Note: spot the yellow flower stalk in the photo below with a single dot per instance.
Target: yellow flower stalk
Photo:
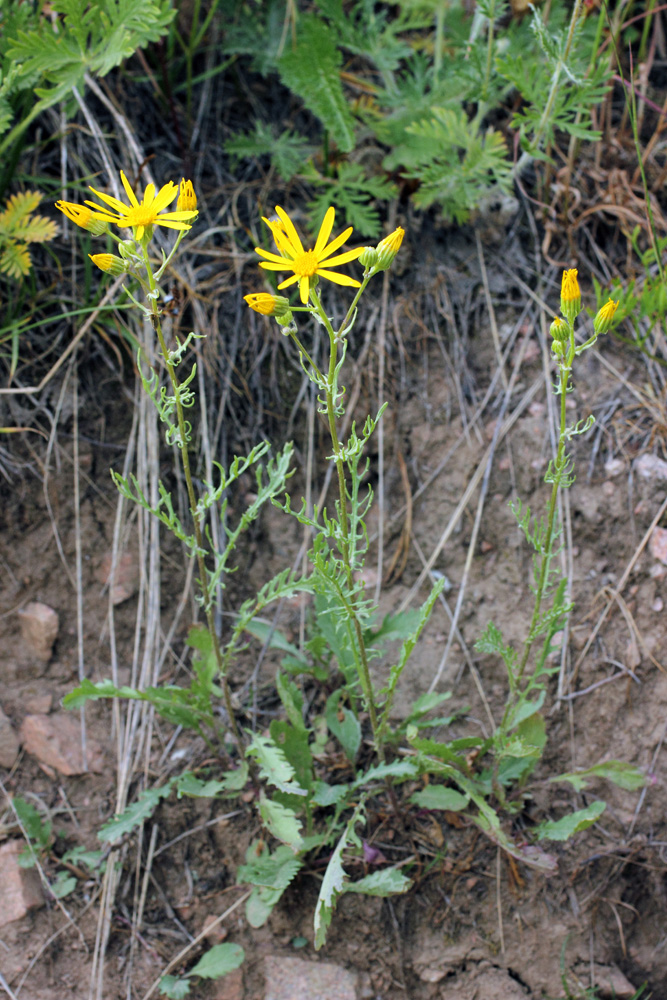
(187, 199)
(83, 217)
(570, 295)
(267, 304)
(306, 264)
(605, 315)
(141, 215)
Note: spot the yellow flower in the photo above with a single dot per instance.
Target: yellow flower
(140, 216)
(187, 199)
(83, 217)
(307, 263)
(388, 248)
(570, 295)
(603, 320)
(109, 262)
(267, 304)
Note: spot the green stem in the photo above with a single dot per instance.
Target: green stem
(545, 117)
(196, 517)
(362, 662)
(551, 520)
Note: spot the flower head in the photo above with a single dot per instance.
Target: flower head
(570, 295)
(141, 215)
(109, 262)
(306, 264)
(267, 304)
(605, 315)
(187, 199)
(559, 329)
(388, 248)
(83, 217)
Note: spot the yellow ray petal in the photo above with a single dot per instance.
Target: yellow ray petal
(287, 281)
(343, 258)
(272, 266)
(118, 206)
(165, 196)
(273, 256)
(292, 234)
(339, 279)
(128, 190)
(325, 231)
(333, 246)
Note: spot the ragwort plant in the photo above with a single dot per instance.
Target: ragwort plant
(305, 810)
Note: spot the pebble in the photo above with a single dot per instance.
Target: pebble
(297, 979)
(126, 576)
(9, 744)
(658, 544)
(21, 888)
(39, 629)
(614, 467)
(651, 467)
(55, 740)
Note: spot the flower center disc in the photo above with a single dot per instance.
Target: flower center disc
(141, 216)
(305, 264)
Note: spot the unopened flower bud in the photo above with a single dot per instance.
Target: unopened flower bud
(267, 304)
(570, 295)
(109, 262)
(127, 249)
(83, 217)
(559, 329)
(388, 248)
(603, 320)
(187, 199)
(284, 319)
(369, 257)
(558, 348)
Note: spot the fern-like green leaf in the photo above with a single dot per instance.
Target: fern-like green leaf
(14, 259)
(353, 194)
(311, 69)
(463, 165)
(288, 150)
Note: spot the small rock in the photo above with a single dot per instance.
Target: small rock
(651, 467)
(39, 628)
(9, 744)
(295, 979)
(658, 544)
(56, 742)
(537, 409)
(36, 702)
(614, 467)
(432, 975)
(21, 888)
(213, 929)
(611, 982)
(125, 578)
(230, 987)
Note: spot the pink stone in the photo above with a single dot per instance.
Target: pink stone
(55, 740)
(21, 888)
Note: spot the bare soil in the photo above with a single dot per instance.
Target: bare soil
(476, 925)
